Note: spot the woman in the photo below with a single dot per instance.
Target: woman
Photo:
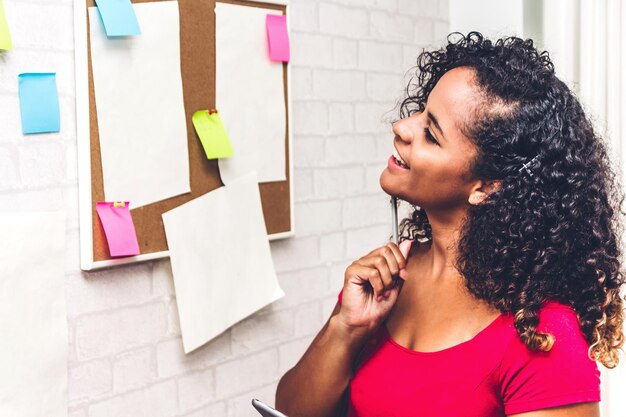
(509, 293)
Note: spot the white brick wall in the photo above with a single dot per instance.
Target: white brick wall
(126, 358)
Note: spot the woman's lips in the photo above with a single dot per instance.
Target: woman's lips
(393, 163)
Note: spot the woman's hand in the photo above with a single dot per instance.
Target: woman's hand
(371, 286)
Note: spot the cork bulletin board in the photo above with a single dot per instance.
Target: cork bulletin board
(197, 51)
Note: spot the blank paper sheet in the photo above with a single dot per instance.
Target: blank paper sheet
(141, 114)
(33, 317)
(221, 260)
(249, 94)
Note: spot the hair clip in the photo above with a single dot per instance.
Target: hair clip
(527, 164)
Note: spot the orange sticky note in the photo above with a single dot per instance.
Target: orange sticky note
(277, 37)
(118, 228)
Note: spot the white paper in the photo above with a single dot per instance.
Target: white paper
(249, 94)
(33, 317)
(221, 260)
(141, 114)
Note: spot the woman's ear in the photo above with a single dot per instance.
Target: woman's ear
(482, 191)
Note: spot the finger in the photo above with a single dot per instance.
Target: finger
(368, 274)
(405, 248)
(376, 282)
(394, 292)
(392, 261)
(402, 274)
(379, 262)
(401, 251)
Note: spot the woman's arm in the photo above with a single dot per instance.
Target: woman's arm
(315, 386)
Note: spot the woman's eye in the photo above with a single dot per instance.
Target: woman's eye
(429, 136)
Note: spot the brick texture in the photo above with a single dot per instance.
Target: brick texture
(349, 59)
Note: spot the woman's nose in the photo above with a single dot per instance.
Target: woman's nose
(402, 130)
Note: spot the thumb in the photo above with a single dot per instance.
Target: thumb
(405, 247)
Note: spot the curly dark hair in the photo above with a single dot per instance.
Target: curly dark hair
(553, 233)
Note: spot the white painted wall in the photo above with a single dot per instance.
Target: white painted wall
(493, 18)
(348, 61)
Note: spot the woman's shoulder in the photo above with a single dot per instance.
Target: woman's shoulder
(556, 318)
(552, 315)
(570, 344)
(559, 319)
(528, 377)
(555, 305)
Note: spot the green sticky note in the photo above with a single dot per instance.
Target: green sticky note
(5, 36)
(212, 134)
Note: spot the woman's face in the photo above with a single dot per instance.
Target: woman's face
(435, 153)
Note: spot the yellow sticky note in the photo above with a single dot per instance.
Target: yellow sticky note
(5, 36)
(212, 134)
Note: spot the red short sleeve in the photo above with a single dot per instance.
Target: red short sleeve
(533, 380)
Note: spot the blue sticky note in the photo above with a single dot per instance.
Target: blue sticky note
(39, 103)
(118, 17)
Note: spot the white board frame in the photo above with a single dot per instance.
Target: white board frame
(83, 144)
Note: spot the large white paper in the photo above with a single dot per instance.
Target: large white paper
(141, 114)
(249, 94)
(33, 317)
(221, 260)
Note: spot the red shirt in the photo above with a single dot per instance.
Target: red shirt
(493, 374)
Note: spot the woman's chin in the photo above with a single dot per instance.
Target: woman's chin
(393, 190)
(388, 186)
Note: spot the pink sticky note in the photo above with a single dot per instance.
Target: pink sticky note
(277, 37)
(118, 228)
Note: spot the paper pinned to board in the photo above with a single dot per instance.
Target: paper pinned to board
(119, 228)
(141, 113)
(5, 34)
(221, 260)
(39, 102)
(212, 134)
(277, 37)
(118, 18)
(33, 316)
(252, 107)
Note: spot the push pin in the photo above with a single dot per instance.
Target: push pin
(119, 204)
(212, 111)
